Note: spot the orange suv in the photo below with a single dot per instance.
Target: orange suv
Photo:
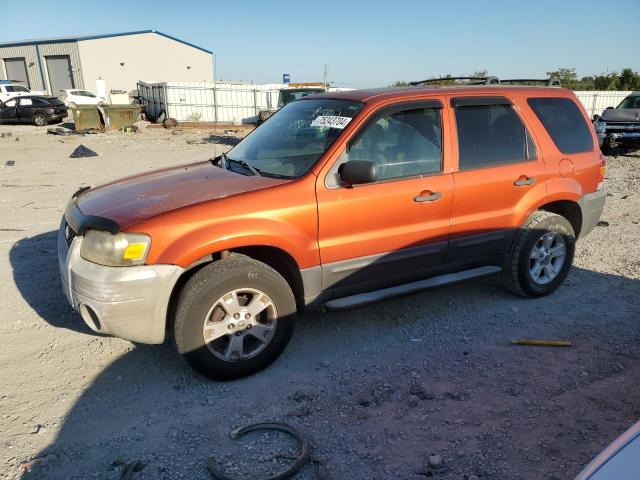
(339, 199)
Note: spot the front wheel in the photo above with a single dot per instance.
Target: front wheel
(542, 255)
(234, 317)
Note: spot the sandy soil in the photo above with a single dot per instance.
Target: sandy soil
(378, 389)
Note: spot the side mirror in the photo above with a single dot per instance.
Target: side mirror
(355, 172)
(595, 117)
(609, 108)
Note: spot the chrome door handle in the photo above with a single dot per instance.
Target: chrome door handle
(524, 181)
(427, 198)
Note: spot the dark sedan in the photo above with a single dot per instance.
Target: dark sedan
(35, 109)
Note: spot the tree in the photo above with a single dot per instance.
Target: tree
(606, 81)
(399, 83)
(567, 76)
(628, 80)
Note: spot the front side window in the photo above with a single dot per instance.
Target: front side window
(491, 135)
(402, 144)
(17, 89)
(295, 137)
(10, 103)
(565, 123)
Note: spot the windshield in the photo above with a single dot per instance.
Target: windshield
(632, 101)
(295, 137)
(288, 96)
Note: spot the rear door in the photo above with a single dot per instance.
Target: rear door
(498, 174)
(26, 109)
(385, 232)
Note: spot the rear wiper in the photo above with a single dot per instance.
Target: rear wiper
(249, 167)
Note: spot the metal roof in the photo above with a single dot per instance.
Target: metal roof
(79, 38)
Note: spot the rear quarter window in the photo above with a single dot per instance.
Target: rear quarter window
(564, 122)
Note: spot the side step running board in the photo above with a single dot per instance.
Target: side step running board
(385, 293)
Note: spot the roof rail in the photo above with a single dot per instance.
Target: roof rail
(549, 82)
(475, 80)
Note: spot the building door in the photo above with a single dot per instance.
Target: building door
(17, 70)
(60, 74)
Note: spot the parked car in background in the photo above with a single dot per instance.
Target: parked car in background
(340, 199)
(74, 97)
(288, 94)
(619, 461)
(10, 90)
(39, 110)
(620, 125)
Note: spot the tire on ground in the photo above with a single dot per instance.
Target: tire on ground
(39, 120)
(200, 293)
(516, 274)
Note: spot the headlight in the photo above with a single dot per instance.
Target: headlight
(601, 127)
(119, 250)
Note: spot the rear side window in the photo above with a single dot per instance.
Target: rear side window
(56, 101)
(491, 135)
(564, 122)
(40, 102)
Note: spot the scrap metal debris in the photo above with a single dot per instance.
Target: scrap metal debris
(82, 151)
(303, 458)
(129, 468)
(5, 134)
(64, 132)
(602, 223)
(541, 343)
(10, 163)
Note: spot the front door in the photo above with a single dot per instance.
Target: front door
(9, 111)
(498, 167)
(391, 230)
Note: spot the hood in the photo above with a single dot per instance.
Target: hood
(621, 115)
(134, 199)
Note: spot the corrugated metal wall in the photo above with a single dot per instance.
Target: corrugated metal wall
(30, 54)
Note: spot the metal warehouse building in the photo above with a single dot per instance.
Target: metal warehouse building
(116, 61)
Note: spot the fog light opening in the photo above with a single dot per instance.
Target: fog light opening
(90, 317)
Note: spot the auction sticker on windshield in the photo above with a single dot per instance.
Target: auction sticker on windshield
(331, 121)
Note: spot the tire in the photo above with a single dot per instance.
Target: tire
(263, 115)
(545, 232)
(200, 304)
(39, 120)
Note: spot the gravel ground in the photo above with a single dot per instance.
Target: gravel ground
(379, 390)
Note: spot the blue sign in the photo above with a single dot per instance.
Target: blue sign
(286, 78)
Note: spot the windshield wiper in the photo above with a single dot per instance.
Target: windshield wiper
(249, 167)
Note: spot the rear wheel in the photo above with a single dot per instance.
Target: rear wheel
(542, 255)
(234, 317)
(39, 120)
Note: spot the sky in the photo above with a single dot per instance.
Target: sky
(363, 43)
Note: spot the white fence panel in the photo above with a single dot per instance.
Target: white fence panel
(595, 102)
(209, 102)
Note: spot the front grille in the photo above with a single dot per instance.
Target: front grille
(69, 234)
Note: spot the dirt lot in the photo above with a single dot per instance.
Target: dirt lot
(378, 389)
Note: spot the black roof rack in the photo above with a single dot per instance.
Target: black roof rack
(549, 82)
(475, 80)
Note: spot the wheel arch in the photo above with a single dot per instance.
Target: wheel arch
(568, 209)
(276, 258)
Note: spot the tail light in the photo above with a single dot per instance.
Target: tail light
(603, 170)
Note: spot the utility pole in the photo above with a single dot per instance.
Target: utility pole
(325, 75)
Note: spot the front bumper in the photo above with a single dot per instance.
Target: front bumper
(591, 206)
(126, 302)
(617, 137)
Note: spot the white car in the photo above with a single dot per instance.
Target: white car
(75, 97)
(10, 90)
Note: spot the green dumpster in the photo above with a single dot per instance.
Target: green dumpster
(87, 117)
(121, 116)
